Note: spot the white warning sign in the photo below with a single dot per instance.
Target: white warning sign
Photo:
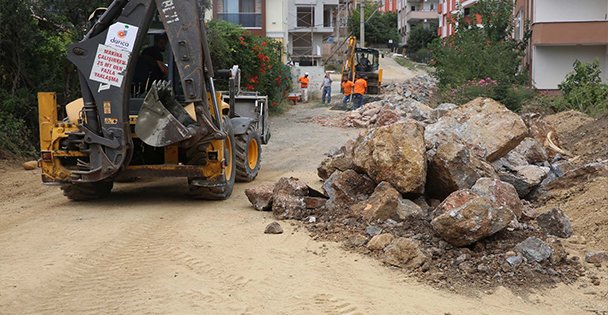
(109, 66)
(122, 36)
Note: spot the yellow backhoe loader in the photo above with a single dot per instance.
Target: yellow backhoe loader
(129, 123)
(364, 62)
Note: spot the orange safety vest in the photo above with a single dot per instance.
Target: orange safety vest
(360, 86)
(303, 82)
(347, 87)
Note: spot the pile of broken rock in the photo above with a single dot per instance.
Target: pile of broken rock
(445, 200)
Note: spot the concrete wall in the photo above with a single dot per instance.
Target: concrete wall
(551, 64)
(570, 10)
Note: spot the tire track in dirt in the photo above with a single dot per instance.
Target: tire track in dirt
(109, 279)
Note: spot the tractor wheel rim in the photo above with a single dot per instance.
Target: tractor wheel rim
(252, 154)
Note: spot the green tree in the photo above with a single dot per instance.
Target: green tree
(259, 58)
(379, 27)
(419, 40)
(475, 55)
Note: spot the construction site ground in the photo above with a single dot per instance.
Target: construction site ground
(149, 248)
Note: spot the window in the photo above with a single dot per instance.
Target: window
(305, 17)
(247, 13)
(329, 15)
(413, 8)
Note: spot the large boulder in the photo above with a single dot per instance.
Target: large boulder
(500, 193)
(469, 215)
(405, 253)
(347, 188)
(341, 160)
(453, 167)
(386, 203)
(395, 154)
(484, 123)
(288, 199)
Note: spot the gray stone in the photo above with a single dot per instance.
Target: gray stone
(534, 249)
(525, 178)
(273, 228)
(373, 230)
(555, 222)
(515, 261)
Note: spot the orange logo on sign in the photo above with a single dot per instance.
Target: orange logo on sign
(122, 34)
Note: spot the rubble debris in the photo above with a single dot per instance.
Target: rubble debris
(405, 253)
(260, 197)
(380, 241)
(441, 110)
(482, 123)
(534, 249)
(596, 257)
(394, 154)
(30, 165)
(273, 228)
(555, 222)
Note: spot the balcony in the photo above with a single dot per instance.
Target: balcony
(246, 20)
(422, 15)
(570, 33)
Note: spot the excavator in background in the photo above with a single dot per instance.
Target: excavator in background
(175, 127)
(364, 62)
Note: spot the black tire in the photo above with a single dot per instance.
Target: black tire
(248, 155)
(88, 191)
(266, 136)
(196, 157)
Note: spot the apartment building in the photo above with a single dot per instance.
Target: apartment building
(260, 17)
(310, 24)
(562, 32)
(388, 6)
(412, 13)
(448, 10)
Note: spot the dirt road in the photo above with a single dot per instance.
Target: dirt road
(149, 249)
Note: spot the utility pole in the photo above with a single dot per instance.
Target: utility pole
(362, 22)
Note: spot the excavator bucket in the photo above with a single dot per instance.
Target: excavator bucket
(156, 125)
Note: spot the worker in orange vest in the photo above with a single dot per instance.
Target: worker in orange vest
(360, 90)
(347, 90)
(304, 81)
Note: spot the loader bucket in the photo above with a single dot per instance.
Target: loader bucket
(156, 125)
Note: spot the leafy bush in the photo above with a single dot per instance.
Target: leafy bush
(259, 58)
(583, 89)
